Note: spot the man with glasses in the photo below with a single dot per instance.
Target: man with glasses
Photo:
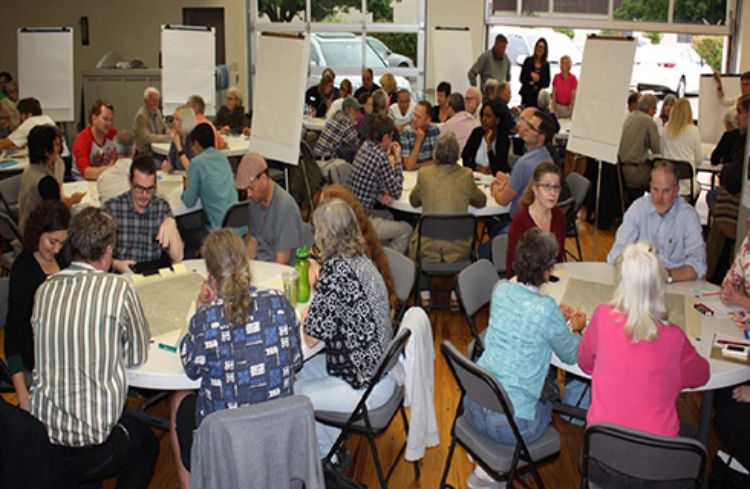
(145, 226)
(418, 140)
(472, 101)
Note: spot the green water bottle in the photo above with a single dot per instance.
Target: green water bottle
(301, 265)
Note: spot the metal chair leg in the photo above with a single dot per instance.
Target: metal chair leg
(448, 462)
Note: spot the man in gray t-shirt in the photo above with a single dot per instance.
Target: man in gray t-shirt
(274, 222)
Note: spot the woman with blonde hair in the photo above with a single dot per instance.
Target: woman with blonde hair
(638, 361)
(249, 326)
(388, 84)
(538, 210)
(181, 149)
(666, 108)
(681, 140)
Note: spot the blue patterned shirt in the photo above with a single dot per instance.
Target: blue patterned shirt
(409, 141)
(244, 364)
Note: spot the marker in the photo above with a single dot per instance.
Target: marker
(168, 348)
(733, 343)
(744, 331)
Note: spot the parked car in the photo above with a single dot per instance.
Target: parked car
(344, 50)
(668, 68)
(393, 59)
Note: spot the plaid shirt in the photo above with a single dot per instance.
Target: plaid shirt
(136, 233)
(409, 140)
(339, 132)
(373, 174)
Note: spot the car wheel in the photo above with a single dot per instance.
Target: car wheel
(403, 64)
(681, 87)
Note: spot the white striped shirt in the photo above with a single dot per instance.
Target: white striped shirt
(89, 327)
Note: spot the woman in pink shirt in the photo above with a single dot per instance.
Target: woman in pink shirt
(564, 87)
(638, 361)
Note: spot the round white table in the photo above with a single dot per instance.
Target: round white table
(169, 188)
(483, 181)
(163, 369)
(723, 373)
(237, 145)
(9, 164)
(313, 123)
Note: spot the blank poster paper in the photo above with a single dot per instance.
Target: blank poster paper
(279, 97)
(188, 66)
(45, 70)
(600, 107)
(711, 110)
(452, 56)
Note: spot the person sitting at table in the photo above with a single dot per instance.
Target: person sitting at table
(180, 147)
(319, 97)
(209, 178)
(379, 106)
(491, 90)
(350, 312)
(534, 74)
(460, 123)
(524, 329)
(149, 124)
(89, 328)
(373, 247)
(444, 188)
(638, 141)
(368, 83)
(114, 180)
(30, 113)
(231, 117)
(486, 150)
(633, 99)
(723, 150)
(638, 361)
(339, 141)
(377, 176)
(666, 109)
(198, 105)
(243, 343)
(537, 132)
(345, 91)
(473, 101)
(93, 148)
(44, 237)
(543, 103)
(669, 222)
(43, 178)
(418, 139)
(390, 87)
(274, 222)
(564, 86)
(681, 140)
(538, 210)
(402, 111)
(145, 226)
(440, 109)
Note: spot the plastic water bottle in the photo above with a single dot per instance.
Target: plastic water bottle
(302, 265)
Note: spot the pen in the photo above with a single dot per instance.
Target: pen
(168, 348)
(744, 330)
(733, 343)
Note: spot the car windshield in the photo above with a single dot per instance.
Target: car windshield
(559, 45)
(378, 46)
(349, 53)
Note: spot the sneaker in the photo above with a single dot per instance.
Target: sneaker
(425, 299)
(455, 307)
(480, 480)
(342, 460)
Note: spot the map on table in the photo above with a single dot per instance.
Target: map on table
(167, 300)
(587, 295)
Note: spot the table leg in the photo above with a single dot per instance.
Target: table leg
(704, 424)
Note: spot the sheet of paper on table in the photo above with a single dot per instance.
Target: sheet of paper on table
(166, 299)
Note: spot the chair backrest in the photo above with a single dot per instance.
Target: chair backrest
(568, 208)
(476, 382)
(308, 234)
(499, 252)
(474, 285)
(9, 230)
(579, 187)
(10, 188)
(340, 174)
(403, 271)
(684, 171)
(613, 455)
(390, 358)
(447, 227)
(237, 216)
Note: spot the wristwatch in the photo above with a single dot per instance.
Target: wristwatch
(670, 279)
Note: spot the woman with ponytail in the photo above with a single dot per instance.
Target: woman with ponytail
(235, 328)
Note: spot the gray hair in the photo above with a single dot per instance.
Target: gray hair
(456, 102)
(491, 88)
(148, 91)
(125, 143)
(236, 92)
(337, 231)
(187, 117)
(536, 254)
(647, 102)
(379, 101)
(543, 100)
(446, 149)
(91, 231)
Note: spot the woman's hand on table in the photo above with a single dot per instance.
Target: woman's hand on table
(734, 296)
(741, 320)
(741, 393)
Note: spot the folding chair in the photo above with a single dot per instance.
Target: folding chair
(11, 234)
(340, 174)
(6, 384)
(372, 422)
(444, 227)
(579, 188)
(500, 461)
(237, 216)
(404, 273)
(9, 190)
(499, 253)
(615, 456)
(474, 286)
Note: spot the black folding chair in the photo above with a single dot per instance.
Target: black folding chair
(237, 216)
(404, 273)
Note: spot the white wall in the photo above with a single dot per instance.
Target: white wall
(744, 38)
(130, 28)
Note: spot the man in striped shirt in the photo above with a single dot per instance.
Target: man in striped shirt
(89, 328)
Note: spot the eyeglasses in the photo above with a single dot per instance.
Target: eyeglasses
(144, 190)
(548, 187)
(531, 126)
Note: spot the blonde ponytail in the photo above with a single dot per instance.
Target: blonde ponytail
(226, 262)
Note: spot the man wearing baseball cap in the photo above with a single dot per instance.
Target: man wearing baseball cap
(274, 222)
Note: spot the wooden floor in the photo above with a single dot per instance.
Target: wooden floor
(561, 472)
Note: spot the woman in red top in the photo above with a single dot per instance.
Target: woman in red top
(564, 87)
(538, 210)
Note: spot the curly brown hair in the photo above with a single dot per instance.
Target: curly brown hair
(48, 217)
